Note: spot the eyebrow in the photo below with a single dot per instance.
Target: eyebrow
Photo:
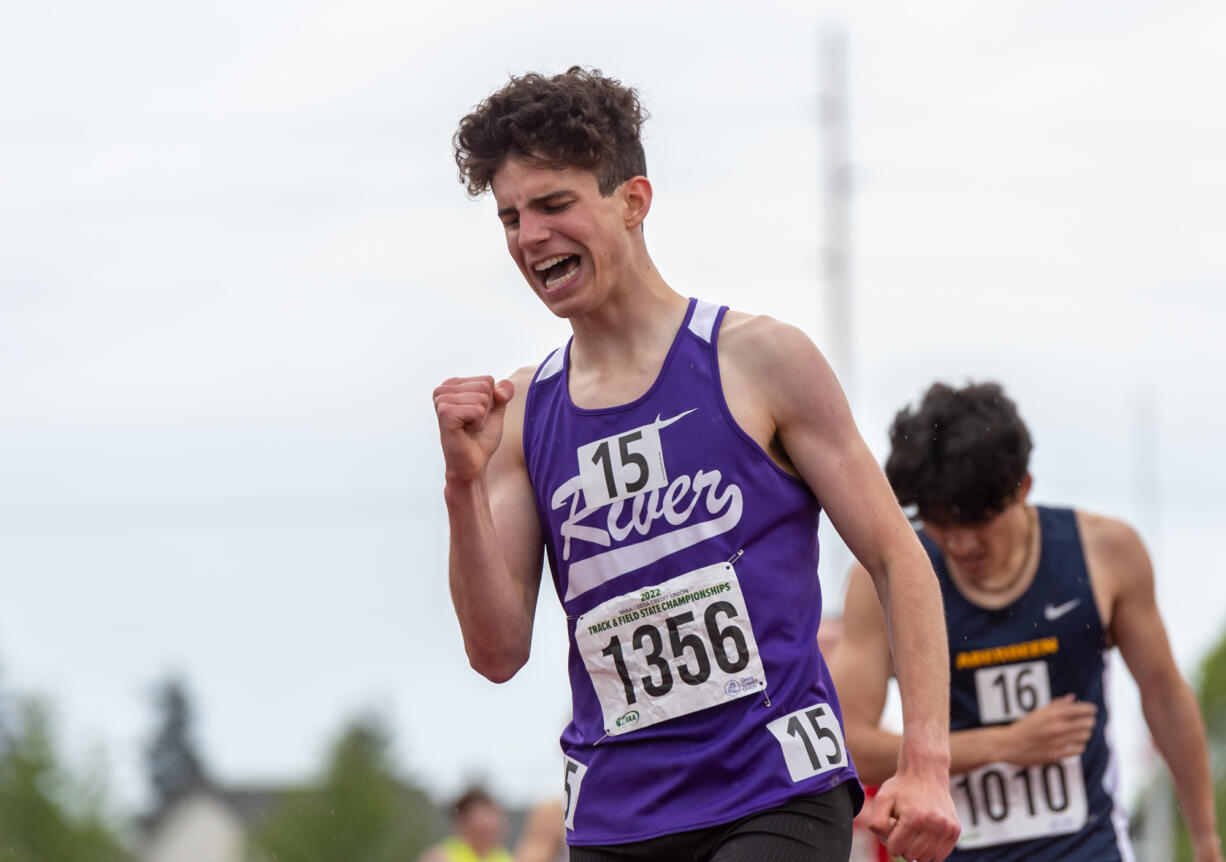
(537, 200)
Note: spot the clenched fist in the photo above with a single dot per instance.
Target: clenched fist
(470, 412)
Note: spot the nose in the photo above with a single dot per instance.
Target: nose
(532, 230)
(960, 542)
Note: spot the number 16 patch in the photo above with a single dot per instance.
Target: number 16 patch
(812, 741)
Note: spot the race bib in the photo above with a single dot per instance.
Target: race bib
(1007, 692)
(670, 650)
(1004, 802)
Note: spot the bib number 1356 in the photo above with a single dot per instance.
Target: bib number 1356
(671, 649)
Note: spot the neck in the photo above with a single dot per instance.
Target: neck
(638, 318)
(618, 353)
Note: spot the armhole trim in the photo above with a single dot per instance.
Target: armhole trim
(702, 321)
(552, 365)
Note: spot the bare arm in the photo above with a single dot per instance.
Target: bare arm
(861, 668)
(1119, 562)
(815, 427)
(496, 544)
(544, 834)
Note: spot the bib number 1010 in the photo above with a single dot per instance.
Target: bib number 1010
(1003, 802)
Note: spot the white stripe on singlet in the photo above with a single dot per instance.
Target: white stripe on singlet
(552, 365)
(702, 322)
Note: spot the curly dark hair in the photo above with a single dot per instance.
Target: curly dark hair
(961, 455)
(577, 119)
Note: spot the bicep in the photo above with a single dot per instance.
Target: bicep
(519, 530)
(513, 505)
(820, 436)
(1136, 625)
(1141, 637)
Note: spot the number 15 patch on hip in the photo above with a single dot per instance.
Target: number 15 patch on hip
(811, 739)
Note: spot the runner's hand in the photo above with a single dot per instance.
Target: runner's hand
(470, 412)
(1050, 733)
(913, 816)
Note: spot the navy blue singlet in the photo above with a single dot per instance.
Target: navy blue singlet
(1008, 661)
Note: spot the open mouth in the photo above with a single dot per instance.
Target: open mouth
(557, 270)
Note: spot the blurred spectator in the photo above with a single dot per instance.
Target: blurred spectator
(478, 831)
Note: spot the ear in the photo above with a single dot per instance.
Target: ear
(1023, 488)
(636, 197)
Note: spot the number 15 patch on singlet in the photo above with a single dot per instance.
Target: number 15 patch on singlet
(666, 651)
(812, 741)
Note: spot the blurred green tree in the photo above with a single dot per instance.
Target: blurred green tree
(172, 758)
(1211, 692)
(359, 811)
(46, 811)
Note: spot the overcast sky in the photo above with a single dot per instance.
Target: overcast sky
(235, 260)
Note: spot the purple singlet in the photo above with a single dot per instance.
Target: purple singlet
(686, 562)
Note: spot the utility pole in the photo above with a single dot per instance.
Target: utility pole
(836, 204)
(836, 262)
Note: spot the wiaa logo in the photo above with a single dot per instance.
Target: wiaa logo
(628, 718)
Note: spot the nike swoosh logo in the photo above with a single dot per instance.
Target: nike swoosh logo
(1054, 612)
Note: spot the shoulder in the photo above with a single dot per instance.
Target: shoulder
(1121, 572)
(1115, 556)
(522, 379)
(1109, 540)
(513, 424)
(759, 337)
(779, 358)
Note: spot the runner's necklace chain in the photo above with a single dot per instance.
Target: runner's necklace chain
(1032, 521)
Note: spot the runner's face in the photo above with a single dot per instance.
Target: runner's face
(563, 235)
(987, 549)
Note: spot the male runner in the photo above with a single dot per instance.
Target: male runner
(669, 461)
(1035, 600)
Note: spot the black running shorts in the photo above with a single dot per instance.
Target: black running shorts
(804, 829)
